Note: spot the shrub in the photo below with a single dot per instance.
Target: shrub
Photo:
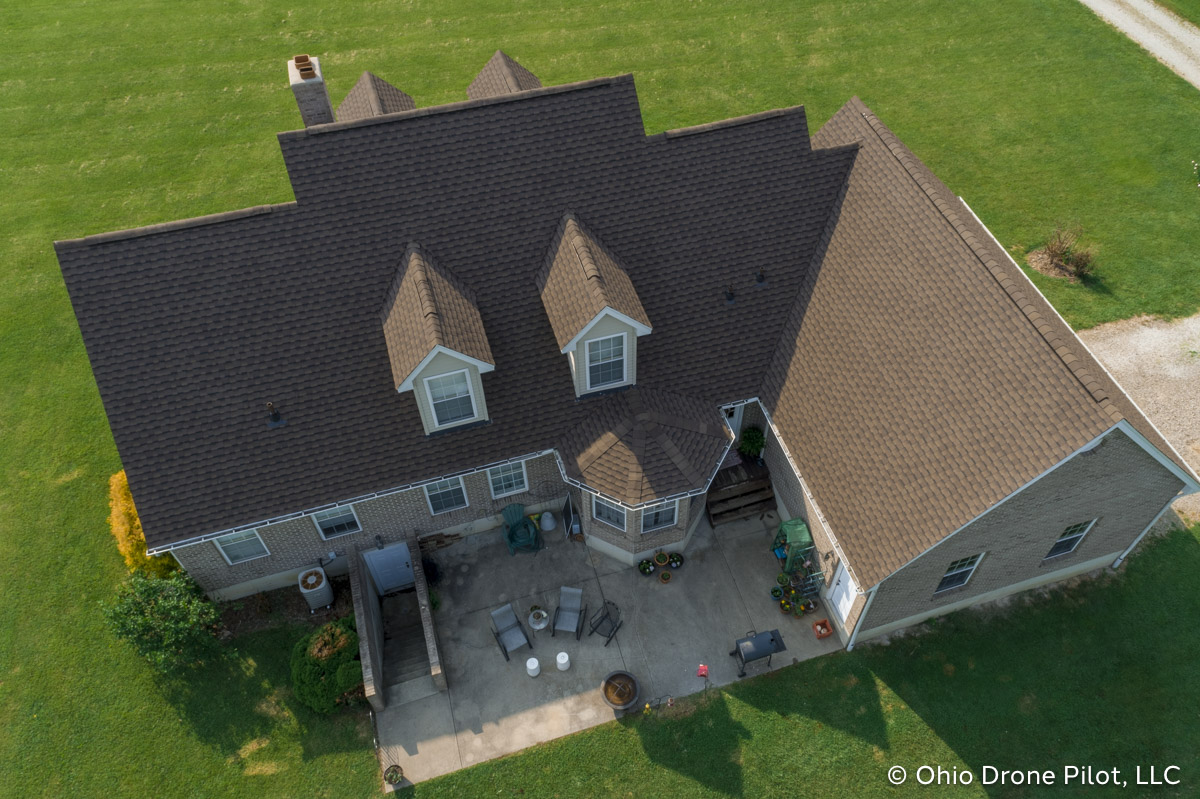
(753, 442)
(167, 620)
(127, 529)
(325, 666)
(1063, 250)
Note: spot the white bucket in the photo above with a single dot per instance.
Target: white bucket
(564, 661)
(533, 667)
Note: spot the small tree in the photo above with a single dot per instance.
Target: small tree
(167, 620)
(325, 666)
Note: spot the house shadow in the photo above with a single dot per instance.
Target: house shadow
(706, 748)
(244, 695)
(835, 691)
(1100, 672)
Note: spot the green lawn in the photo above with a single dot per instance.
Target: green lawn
(1188, 9)
(123, 113)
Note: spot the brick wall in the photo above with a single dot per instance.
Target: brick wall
(632, 539)
(296, 544)
(1119, 484)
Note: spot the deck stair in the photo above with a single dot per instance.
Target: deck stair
(741, 491)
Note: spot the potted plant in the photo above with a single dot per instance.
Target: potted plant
(646, 567)
(676, 560)
(661, 559)
(537, 615)
(785, 607)
(776, 592)
(782, 578)
(393, 775)
(664, 576)
(752, 444)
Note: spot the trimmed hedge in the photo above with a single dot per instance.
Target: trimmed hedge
(325, 666)
(127, 529)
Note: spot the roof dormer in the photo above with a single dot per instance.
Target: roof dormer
(593, 308)
(436, 343)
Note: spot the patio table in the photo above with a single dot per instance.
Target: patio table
(756, 646)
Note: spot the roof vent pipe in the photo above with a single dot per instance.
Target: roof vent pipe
(304, 75)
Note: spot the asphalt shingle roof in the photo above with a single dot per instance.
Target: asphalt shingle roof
(373, 96)
(501, 75)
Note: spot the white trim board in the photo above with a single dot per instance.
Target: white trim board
(437, 425)
(587, 362)
(409, 381)
(607, 312)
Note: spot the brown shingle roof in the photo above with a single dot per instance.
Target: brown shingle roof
(191, 326)
(427, 307)
(501, 75)
(373, 96)
(919, 379)
(580, 279)
(641, 444)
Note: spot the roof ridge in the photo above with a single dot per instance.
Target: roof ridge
(169, 227)
(581, 245)
(928, 183)
(425, 295)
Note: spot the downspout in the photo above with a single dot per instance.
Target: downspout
(1138, 540)
(858, 624)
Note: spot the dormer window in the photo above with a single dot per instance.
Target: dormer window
(450, 397)
(606, 362)
(436, 343)
(593, 308)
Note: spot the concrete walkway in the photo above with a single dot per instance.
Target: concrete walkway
(493, 708)
(1169, 38)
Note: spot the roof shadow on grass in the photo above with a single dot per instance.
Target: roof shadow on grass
(706, 748)
(245, 697)
(1100, 673)
(836, 691)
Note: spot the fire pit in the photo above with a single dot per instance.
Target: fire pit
(620, 690)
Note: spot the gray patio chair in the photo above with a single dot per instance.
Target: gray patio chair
(606, 622)
(570, 613)
(508, 630)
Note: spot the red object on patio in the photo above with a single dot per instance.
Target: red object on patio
(822, 628)
(702, 671)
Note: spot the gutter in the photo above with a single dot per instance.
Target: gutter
(1142, 535)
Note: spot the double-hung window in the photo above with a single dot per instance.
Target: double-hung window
(337, 521)
(608, 512)
(507, 479)
(242, 546)
(446, 495)
(1069, 540)
(450, 397)
(606, 361)
(655, 517)
(959, 573)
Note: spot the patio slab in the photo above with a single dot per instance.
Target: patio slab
(492, 706)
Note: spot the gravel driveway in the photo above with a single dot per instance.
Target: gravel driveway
(1158, 364)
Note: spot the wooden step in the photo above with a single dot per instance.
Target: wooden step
(744, 512)
(732, 503)
(738, 489)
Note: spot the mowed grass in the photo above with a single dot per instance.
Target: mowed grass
(1087, 677)
(1188, 9)
(120, 114)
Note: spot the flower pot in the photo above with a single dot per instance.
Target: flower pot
(676, 560)
(646, 567)
(661, 559)
(782, 578)
(785, 607)
(664, 577)
(777, 592)
(393, 775)
(822, 628)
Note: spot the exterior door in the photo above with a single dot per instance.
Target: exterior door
(734, 416)
(390, 567)
(841, 593)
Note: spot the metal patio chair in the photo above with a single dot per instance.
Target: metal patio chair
(606, 622)
(570, 613)
(508, 630)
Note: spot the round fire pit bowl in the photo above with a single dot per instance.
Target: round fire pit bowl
(620, 690)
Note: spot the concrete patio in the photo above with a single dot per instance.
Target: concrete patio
(493, 708)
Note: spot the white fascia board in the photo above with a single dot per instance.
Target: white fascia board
(638, 327)
(410, 381)
(1190, 483)
(1191, 479)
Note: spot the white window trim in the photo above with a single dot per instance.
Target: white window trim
(321, 532)
(1078, 540)
(524, 478)
(461, 485)
(674, 521)
(965, 582)
(266, 550)
(587, 361)
(624, 514)
(470, 394)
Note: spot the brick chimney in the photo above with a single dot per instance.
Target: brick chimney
(308, 85)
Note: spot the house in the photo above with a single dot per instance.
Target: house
(523, 298)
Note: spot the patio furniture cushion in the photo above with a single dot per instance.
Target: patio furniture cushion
(569, 614)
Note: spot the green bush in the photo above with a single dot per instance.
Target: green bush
(753, 442)
(325, 666)
(167, 620)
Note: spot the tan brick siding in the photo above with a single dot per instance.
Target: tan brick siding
(1119, 484)
(296, 543)
(632, 539)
